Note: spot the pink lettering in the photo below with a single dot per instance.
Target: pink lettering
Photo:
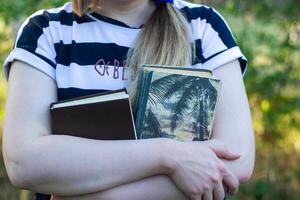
(102, 68)
(116, 69)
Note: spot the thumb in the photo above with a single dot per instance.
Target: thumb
(220, 149)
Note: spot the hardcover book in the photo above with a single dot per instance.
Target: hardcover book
(103, 116)
(176, 103)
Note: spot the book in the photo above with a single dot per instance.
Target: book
(101, 116)
(176, 102)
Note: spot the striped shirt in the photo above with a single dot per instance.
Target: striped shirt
(85, 55)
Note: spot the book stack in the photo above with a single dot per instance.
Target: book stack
(172, 102)
(102, 116)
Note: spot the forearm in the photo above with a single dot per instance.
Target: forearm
(237, 134)
(242, 143)
(242, 168)
(233, 124)
(156, 187)
(65, 165)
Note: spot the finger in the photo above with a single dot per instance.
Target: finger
(231, 183)
(208, 195)
(220, 149)
(196, 197)
(219, 192)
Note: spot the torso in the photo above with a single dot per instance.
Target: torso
(91, 51)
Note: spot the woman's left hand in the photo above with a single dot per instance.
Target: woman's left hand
(218, 192)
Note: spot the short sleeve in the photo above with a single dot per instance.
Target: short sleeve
(218, 43)
(34, 46)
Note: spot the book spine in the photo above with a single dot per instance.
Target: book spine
(53, 126)
(143, 99)
(139, 91)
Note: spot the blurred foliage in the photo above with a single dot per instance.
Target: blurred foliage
(268, 32)
(14, 10)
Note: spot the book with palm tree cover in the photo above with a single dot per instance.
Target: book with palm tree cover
(176, 102)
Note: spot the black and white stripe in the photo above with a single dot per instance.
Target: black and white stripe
(87, 53)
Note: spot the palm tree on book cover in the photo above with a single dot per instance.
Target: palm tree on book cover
(197, 98)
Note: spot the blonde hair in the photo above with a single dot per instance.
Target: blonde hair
(164, 39)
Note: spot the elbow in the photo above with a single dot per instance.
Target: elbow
(247, 168)
(18, 179)
(244, 172)
(245, 176)
(18, 176)
(18, 171)
(247, 161)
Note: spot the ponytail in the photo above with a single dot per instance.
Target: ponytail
(164, 40)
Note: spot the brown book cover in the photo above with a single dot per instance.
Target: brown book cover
(103, 116)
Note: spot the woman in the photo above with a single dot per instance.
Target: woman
(85, 47)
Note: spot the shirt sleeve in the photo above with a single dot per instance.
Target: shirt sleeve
(218, 43)
(34, 46)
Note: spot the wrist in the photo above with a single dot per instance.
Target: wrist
(168, 151)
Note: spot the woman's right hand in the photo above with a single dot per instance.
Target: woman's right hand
(197, 170)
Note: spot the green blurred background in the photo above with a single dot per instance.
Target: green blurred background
(268, 32)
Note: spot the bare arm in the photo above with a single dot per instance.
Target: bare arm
(233, 124)
(157, 187)
(65, 165)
